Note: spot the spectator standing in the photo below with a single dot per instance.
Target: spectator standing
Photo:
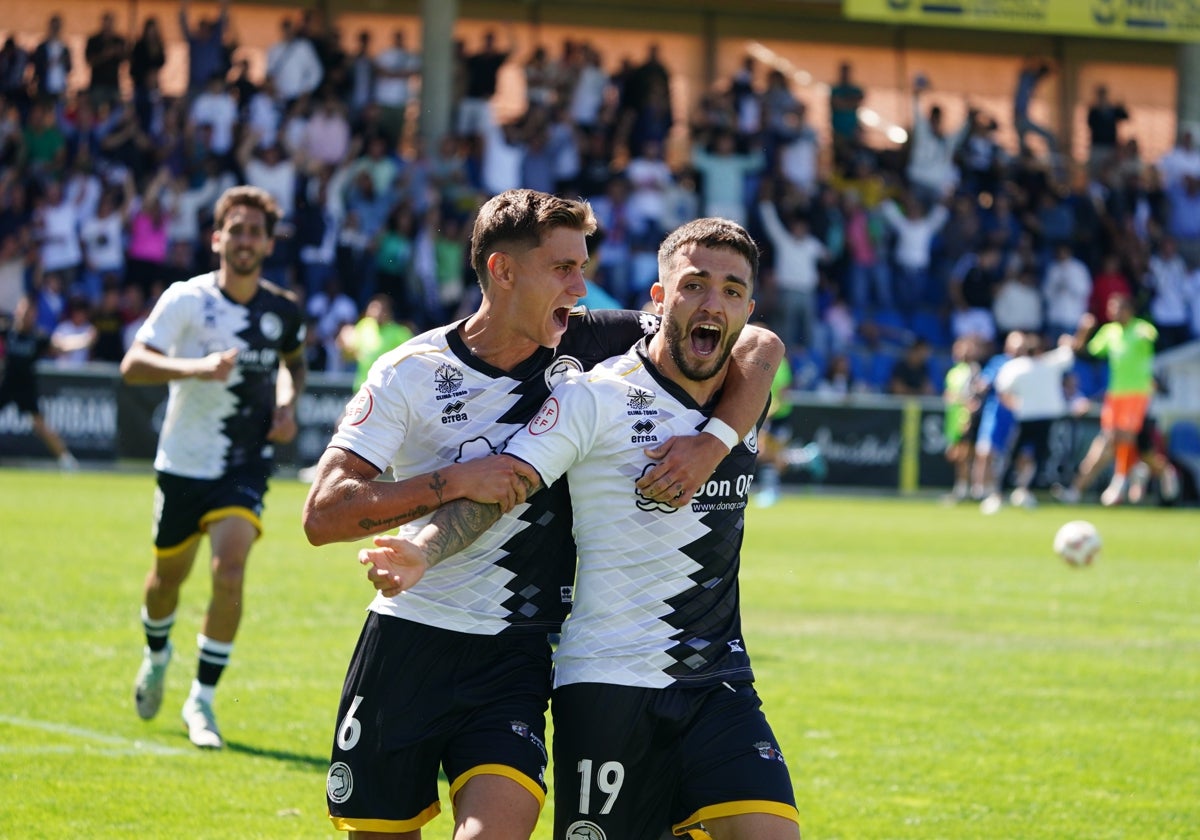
(395, 70)
(1104, 118)
(845, 98)
(724, 172)
(1183, 215)
(361, 75)
(1017, 303)
(215, 107)
(588, 94)
(932, 171)
(972, 290)
(1167, 282)
(915, 229)
(869, 277)
(1067, 287)
(103, 240)
(1182, 159)
(329, 310)
(56, 228)
(796, 271)
(106, 52)
(207, 56)
(270, 170)
(146, 61)
(482, 70)
(293, 65)
(51, 63)
(798, 150)
(326, 139)
(14, 65)
(1030, 75)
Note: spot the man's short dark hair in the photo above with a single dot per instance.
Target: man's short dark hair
(710, 232)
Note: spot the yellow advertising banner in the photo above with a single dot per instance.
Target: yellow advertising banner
(1151, 20)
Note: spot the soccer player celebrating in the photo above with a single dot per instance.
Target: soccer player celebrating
(656, 720)
(230, 346)
(455, 674)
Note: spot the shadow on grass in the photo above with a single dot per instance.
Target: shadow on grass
(315, 762)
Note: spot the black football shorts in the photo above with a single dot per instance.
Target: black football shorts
(417, 698)
(635, 763)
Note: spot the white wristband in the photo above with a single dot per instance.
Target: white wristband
(722, 431)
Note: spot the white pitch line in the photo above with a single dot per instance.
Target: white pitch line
(124, 745)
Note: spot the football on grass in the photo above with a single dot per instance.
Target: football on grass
(1077, 542)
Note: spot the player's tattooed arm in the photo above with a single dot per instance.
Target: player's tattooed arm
(397, 563)
(458, 524)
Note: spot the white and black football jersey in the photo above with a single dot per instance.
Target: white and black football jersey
(429, 403)
(212, 427)
(656, 593)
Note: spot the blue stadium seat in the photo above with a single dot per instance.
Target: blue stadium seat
(929, 326)
(893, 327)
(1184, 439)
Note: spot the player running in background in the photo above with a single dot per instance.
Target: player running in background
(962, 413)
(656, 720)
(995, 429)
(1128, 343)
(230, 347)
(23, 345)
(455, 674)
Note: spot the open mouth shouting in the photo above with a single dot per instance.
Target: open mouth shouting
(706, 339)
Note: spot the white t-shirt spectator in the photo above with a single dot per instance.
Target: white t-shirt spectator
(59, 234)
(392, 87)
(278, 179)
(219, 111)
(1067, 287)
(294, 67)
(103, 242)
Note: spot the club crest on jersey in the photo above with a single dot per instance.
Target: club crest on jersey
(477, 447)
(649, 322)
(359, 407)
(585, 830)
(557, 371)
(649, 505)
(339, 783)
(271, 326)
(751, 440)
(447, 380)
(546, 418)
(769, 751)
(638, 399)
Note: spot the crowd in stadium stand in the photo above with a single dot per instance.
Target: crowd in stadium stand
(106, 193)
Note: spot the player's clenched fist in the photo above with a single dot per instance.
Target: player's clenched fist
(218, 365)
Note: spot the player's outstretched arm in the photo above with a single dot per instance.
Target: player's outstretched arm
(346, 503)
(686, 462)
(143, 365)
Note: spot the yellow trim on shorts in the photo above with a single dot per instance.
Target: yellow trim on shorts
(500, 770)
(226, 512)
(386, 826)
(174, 550)
(690, 827)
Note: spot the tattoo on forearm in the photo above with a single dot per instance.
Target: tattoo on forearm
(372, 525)
(437, 484)
(459, 524)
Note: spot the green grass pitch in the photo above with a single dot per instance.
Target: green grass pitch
(930, 672)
